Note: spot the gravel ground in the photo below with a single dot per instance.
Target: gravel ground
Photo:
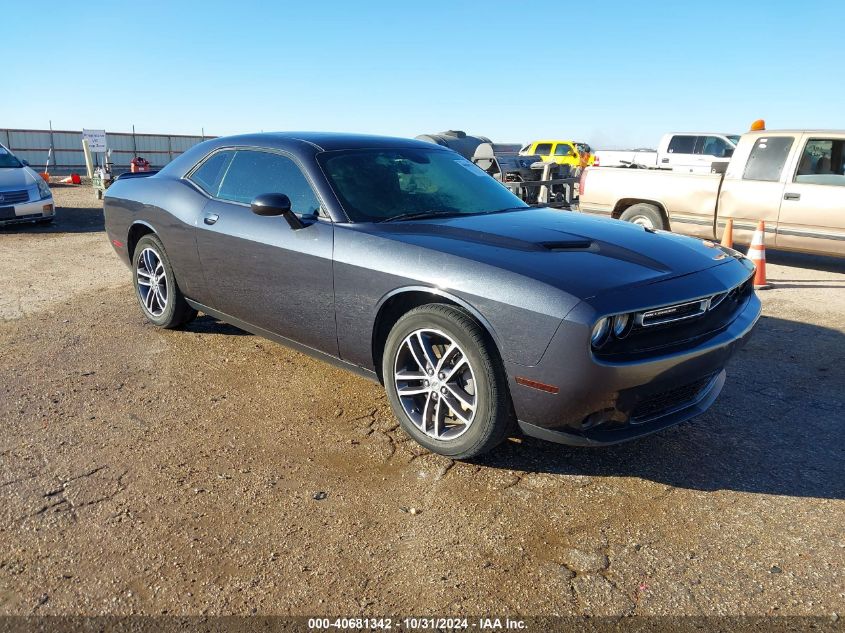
(208, 471)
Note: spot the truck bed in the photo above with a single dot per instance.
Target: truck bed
(684, 198)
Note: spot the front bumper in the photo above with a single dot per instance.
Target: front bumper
(600, 403)
(27, 211)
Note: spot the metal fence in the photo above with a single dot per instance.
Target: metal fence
(34, 145)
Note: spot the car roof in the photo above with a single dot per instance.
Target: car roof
(703, 134)
(322, 141)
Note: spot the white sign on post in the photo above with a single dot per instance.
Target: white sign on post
(96, 140)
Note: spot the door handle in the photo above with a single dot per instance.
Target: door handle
(792, 196)
(665, 160)
(211, 218)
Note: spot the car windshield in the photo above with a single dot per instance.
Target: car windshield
(376, 185)
(7, 159)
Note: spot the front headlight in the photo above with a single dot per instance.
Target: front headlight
(620, 325)
(43, 188)
(600, 330)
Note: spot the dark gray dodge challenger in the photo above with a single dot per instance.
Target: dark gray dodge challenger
(403, 261)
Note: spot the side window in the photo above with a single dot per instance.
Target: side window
(563, 149)
(543, 149)
(713, 146)
(208, 176)
(822, 163)
(254, 172)
(682, 145)
(767, 158)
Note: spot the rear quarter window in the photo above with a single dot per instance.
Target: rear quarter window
(543, 149)
(767, 158)
(209, 174)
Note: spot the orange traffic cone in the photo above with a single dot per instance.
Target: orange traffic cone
(757, 254)
(728, 235)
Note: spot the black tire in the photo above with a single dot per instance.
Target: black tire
(645, 214)
(176, 311)
(494, 419)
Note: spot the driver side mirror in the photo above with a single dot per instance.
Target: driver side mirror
(276, 204)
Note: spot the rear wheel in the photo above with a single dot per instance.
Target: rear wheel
(644, 214)
(162, 303)
(445, 382)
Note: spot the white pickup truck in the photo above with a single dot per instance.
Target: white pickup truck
(792, 179)
(692, 152)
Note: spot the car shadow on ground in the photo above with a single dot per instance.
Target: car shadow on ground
(67, 220)
(205, 324)
(778, 427)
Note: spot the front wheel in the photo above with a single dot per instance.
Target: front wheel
(162, 303)
(445, 382)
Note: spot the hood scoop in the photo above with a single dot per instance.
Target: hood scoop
(579, 244)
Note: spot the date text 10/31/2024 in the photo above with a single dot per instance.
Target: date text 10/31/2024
(433, 623)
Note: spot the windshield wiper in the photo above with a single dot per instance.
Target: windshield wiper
(505, 210)
(421, 215)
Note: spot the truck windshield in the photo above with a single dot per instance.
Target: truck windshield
(733, 138)
(375, 185)
(8, 160)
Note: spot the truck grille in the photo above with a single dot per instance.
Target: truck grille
(670, 400)
(13, 197)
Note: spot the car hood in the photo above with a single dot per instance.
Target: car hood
(578, 254)
(16, 178)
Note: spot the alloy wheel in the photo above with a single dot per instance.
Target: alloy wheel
(152, 282)
(435, 383)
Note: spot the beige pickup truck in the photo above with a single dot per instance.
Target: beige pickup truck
(792, 179)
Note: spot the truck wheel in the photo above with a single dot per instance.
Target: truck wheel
(644, 214)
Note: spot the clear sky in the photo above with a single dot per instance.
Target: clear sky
(615, 74)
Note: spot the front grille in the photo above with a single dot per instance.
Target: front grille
(672, 313)
(669, 400)
(13, 197)
(677, 325)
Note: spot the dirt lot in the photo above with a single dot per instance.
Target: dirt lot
(211, 471)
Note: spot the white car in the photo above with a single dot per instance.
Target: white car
(24, 196)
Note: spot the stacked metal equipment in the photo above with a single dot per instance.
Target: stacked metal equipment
(534, 181)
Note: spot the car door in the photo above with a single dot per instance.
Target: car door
(565, 154)
(709, 150)
(812, 211)
(680, 153)
(544, 151)
(752, 188)
(257, 268)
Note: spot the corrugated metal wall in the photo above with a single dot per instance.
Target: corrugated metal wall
(33, 145)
